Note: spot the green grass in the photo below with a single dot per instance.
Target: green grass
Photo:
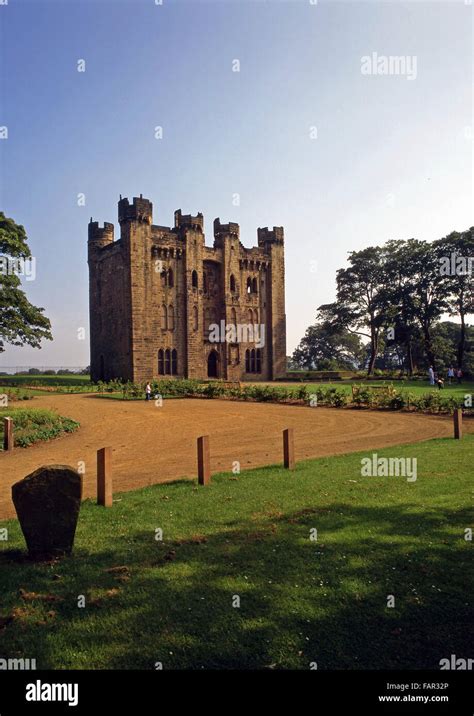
(170, 601)
(35, 424)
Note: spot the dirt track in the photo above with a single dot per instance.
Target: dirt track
(154, 444)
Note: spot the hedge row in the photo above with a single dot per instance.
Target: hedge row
(366, 397)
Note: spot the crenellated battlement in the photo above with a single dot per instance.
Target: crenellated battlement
(265, 236)
(141, 210)
(100, 235)
(222, 230)
(188, 221)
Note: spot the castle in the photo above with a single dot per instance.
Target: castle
(158, 295)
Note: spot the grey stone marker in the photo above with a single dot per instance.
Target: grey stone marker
(47, 503)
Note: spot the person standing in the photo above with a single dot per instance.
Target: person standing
(450, 375)
(431, 375)
(148, 391)
(459, 375)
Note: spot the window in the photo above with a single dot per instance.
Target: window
(174, 361)
(167, 362)
(254, 286)
(204, 282)
(255, 316)
(171, 318)
(250, 315)
(233, 317)
(258, 366)
(170, 278)
(194, 279)
(247, 361)
(252, 360)
(232, 283)
(195, 318)
(249, 285)
(161, 362)
(164, 318)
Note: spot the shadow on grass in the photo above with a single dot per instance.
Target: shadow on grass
(301, 601)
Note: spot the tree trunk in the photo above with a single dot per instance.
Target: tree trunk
(429, 348)
(462, 342)
(410, 358)
(373, 352)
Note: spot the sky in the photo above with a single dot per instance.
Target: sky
(299, 137)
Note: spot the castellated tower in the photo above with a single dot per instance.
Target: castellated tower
(162, 303)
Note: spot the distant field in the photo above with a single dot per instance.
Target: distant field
(20, 380)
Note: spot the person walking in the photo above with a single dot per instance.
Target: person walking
(450, 375)
(431, 375)
(459, 375)
(148, 391)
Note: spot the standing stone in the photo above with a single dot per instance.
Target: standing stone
(47, 503)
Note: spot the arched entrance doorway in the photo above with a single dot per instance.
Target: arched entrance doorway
(213, 364)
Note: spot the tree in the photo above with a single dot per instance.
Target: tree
(361, 304)
(401, 299)
(20, 322)
(456, 255)
(326, 348)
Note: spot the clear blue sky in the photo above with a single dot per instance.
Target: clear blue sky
(391, 160)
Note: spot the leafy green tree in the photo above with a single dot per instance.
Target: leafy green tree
(458, 250)
(326, 348)
(361, 305)
(20, 322)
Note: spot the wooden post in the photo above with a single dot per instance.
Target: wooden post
(288, 449)
(204, 460)
(8, 433)
(104, 477)
(457, 417)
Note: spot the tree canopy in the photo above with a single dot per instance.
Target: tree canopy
(21, 323)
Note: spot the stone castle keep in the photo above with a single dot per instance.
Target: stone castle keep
(156, 292)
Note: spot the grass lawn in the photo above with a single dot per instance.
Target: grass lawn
(248, 536)
(34, 424)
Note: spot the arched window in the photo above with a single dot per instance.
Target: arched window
(250, 315)
(252, 360)
(195, 318)
(233, 317)
(232, 283)
(167, 362)
(258, 367)
(164, 278)
(194, 279)
(171, 318)
(254, 286)
(249, 285)
(161, 362)
(255, 316)
(164, 317)
(174, 361)
(247, 361)
(170, 278)
(204, 282)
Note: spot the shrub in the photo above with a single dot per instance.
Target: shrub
(33, 425)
